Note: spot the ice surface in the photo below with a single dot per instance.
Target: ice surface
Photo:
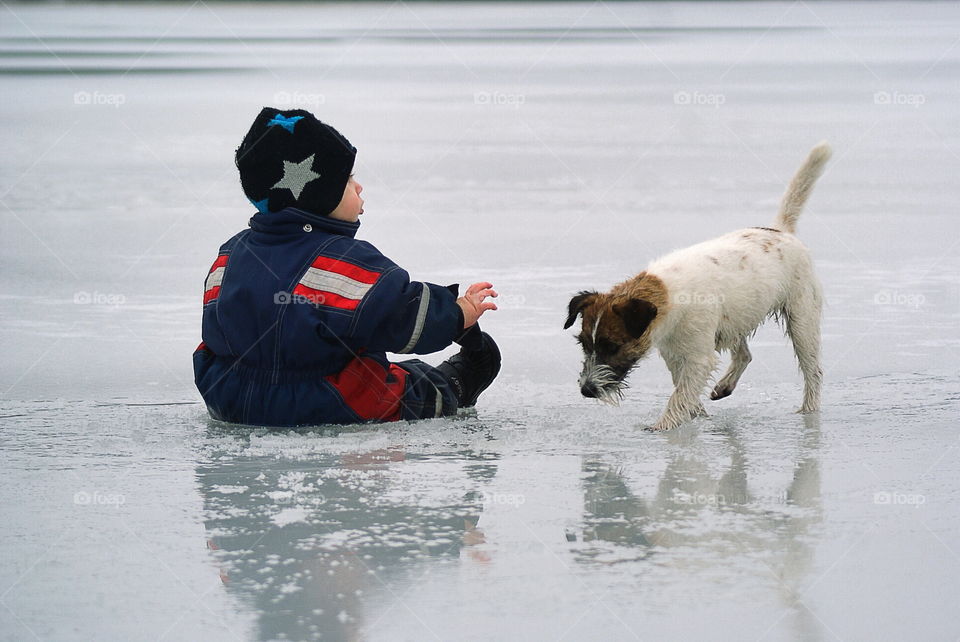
(547, 148)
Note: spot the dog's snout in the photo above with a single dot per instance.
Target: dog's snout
(588, 391)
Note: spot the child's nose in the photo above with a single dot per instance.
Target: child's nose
(359, 188)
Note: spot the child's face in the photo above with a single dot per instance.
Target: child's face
(351, 205)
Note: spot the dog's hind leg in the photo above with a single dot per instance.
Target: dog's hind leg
(803, 326)
(740, 355)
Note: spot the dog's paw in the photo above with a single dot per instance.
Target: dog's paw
(720, 392)
(662, 426)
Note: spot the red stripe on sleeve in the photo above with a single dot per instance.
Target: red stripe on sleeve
(220, 262)
(211, 294)
(355, 272)
(319, 297)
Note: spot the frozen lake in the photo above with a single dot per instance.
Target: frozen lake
(546, 148)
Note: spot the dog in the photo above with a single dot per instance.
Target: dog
(704, 299)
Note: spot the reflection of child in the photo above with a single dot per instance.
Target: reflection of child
(298, 315)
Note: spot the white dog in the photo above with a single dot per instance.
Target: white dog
(695, 302)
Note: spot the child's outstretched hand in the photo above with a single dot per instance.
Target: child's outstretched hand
(473, 305)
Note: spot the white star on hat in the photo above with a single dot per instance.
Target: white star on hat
(297, 175)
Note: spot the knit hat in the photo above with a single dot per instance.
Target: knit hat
(289, 158)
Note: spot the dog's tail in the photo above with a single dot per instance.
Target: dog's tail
(800, 187)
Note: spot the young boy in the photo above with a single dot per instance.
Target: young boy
(298, 315)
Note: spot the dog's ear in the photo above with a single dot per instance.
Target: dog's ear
(637, 314)
(577, 304)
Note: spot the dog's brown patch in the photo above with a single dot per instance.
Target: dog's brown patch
(645, 286)
(636, 304)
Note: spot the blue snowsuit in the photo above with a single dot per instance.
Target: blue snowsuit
(298, 317)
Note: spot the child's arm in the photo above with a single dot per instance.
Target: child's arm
(403, 316)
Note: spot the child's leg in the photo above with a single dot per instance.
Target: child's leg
(428, 393)
(473, 369)
(455, 383)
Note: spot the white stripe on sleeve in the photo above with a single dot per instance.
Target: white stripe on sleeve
(215, 278)
(327, 281)
(421, 319)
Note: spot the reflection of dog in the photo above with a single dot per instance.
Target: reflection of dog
(704, 299)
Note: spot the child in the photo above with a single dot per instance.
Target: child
(298, 315)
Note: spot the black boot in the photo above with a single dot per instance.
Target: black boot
(470, 372)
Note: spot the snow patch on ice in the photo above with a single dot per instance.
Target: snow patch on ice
(290, 516)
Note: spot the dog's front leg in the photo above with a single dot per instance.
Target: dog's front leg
(674, 365)
(690, 374)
